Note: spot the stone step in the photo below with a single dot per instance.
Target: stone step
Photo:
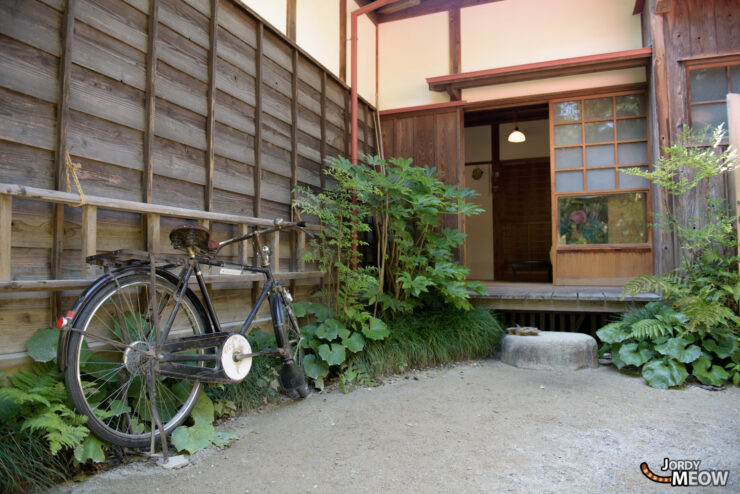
(550, 350)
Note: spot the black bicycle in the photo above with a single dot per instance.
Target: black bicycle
(138, 344)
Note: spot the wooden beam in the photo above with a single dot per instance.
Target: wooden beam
(428, 7)
(294, 158)
(211, 122)
(257, 210)
(6, 230)
(89, 238)
(343, 40)
(433, 106)
(291, 16)
(151, 79)
(455, 46)
(639, 57)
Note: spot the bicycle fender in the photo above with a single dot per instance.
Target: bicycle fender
(65, 335)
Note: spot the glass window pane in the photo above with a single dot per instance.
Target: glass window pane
(606, 219)
(598, 108)
(630, 105)
(631, 182)
(601, 179)
(569, 158)
(567, 111)
(633, 153)
(711, 115)
(600, 155)
(565, 135)
(708, 84)
(600, 132)
(735, 79)
(568, 181)
(632, 128)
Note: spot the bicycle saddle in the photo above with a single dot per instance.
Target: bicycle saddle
(193, 236)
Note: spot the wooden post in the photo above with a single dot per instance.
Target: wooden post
(275, 247)
(294, 162)
(152, 233)
(323, 131)
(6, 229)
(89, 238)
(243, 246)
(65, 65)
(151, 78)
(343, 40)
(291, 16)
(211, 122)
(455, 46)
(258, 122)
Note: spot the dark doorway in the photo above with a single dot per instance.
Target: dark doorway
(521, 217)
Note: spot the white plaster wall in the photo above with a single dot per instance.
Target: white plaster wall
(537, 144)
(409, 51)
(479, 228)
(366, 54)
(317, 30)
(554, 85)
(273, 11)
(515, 32)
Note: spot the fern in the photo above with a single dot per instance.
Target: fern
(650, 329)
(61, 426)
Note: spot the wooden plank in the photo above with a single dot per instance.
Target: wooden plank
(294, 131)
(702, 27)
(151, 91)
(211, 122)
(116, 19)
(28, 71)
(32, 23)
(258, 122)
(244, 254)
(28, 121)
(6, 229)
(275, 248)
(179, 125)
(342, 40)
(230, 143)
(89, 238)
(24, 165)
(235, 51)
(237, 115)
(103, 141)
(727, 28)
(182, 54)
(186, 21)
(238, 23)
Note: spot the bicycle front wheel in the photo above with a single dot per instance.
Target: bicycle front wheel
(110, 356)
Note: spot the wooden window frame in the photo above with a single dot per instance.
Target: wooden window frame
(703, 63)
(555, 196)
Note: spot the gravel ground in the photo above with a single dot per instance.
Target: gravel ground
(479, 427)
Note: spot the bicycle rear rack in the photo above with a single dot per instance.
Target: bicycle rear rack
(127, 257)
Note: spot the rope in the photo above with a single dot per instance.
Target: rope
(72, 167)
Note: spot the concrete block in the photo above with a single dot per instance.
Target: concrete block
(550, 350)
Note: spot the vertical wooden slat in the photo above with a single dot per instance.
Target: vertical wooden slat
(275, 248)
(343, 40)
(152, 232)
(151, 78)
(211, 122)
(323, 130)
(89, 238)
(346, 124)
(291, 16)
(65, 64)
(258, 122)
(365, 127)
(6, 228)
(294, 160)
(243, 246)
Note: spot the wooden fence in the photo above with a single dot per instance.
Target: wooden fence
(176, 109)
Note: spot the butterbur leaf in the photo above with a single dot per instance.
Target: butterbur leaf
(726, 346)
(299, 309)
(375, 329)
(204, 411)
(677, 349)
(706, 373)
(333, 354)
(222, 439)
(664, 374)
(635, 354)
(329, 329)
(90, 449)
(315, 367)
(612, 333)
(354, 343)
(192, 439)
(42, 346)
(616, 359)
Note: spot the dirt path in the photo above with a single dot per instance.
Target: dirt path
(480, 427)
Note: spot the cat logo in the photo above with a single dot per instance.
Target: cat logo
(686, 473)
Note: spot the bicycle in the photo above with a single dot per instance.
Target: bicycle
(138, 344)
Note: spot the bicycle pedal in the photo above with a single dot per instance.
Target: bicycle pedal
(291, 377)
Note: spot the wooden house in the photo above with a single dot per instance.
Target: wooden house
(213, 110)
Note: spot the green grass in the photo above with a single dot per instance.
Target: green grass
(27, 465)
(431, 338)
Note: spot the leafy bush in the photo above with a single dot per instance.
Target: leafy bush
(694, 329)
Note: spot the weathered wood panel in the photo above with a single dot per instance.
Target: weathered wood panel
(27, 70)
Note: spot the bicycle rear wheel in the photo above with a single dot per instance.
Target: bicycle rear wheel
(108, 360)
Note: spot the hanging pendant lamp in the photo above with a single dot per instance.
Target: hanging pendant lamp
(516, 135)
